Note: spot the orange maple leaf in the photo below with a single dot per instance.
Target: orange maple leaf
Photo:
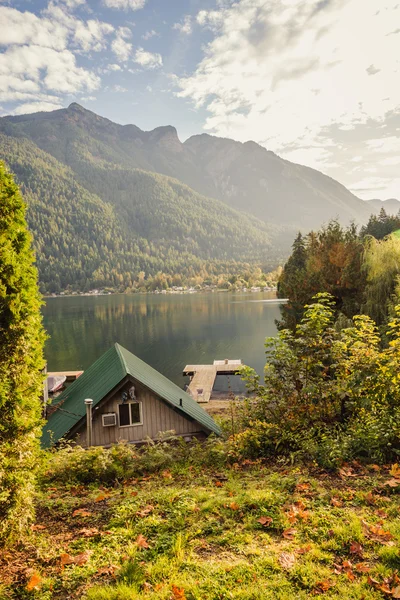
(178, 593)
(34, 582)
(101, 496)
(266, 521)
(289, 533)
(81, 512)
(141, 541)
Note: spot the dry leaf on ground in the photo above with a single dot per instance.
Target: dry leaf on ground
(287, 560)
(141, 541)
(34, 582)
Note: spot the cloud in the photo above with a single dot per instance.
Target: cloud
(26, 28)
(32, 70)
(41, 52)
(184, 26)
(149, 34)
(32, 107)
(148, 60)
(372, 70)
(121, 48)
(283, 72)
(125, 4)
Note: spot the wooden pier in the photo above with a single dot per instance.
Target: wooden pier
(70, 375)
(202, 377)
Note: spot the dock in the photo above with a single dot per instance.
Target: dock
(70, 375)
(202, 377)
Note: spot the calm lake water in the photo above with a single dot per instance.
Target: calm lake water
(166, 331)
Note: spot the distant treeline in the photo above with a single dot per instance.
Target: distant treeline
(361, 269)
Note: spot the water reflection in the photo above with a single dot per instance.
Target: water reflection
(168, 331)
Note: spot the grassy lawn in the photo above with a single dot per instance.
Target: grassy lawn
(252, 531)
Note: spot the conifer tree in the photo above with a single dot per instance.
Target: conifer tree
(21, 362)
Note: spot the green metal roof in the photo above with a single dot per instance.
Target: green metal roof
(102, 377)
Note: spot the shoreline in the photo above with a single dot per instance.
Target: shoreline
(163, 293)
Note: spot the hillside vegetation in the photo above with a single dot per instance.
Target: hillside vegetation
(125, 221)
(244, 176)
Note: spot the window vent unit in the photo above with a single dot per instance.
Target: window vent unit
(109, 419)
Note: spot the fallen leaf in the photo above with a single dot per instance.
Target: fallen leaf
(370, 498)
(144, 512)
(336, 502)
(385, 588)
(357, 549)
(362, 568)
(324, 586)
(178, 593)
(287, 560)
(395, 471)
(289, 533)
(392, 482)
(81, 512)
(80, 559)
(381, 513)
(396, 592)
(304, 549)
(37, 527)
(234, 506)
(350, 575)
(89, 531)
(34, 582)
(374, 467)
(265, 521)
(302, 487)
(167, 474)
(66, 559)
(141, 541)
(378, 534)
(101, 496)
(218, 484)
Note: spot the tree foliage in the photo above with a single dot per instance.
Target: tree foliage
(331, 395)
(328, 260)
(21, 361)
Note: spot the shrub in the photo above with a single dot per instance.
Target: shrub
(329, 395)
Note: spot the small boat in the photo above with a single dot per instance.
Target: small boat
(55, 383)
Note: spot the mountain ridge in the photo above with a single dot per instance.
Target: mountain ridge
(244, 175)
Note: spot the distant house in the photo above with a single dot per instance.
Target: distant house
(131, 401)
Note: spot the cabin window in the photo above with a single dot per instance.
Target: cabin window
(130, 413)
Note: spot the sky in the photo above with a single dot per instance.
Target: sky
(316, 81)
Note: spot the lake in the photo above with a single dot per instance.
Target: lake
(167, 331)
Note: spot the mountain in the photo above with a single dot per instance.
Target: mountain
(391, 205)
(123, 222)
(245, 176)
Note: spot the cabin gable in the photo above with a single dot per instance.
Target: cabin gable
(137, 418)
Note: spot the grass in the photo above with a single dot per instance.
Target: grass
(195, 533)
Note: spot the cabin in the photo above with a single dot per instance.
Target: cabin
(131, 402)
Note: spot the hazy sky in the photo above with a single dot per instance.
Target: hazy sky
(316, 81)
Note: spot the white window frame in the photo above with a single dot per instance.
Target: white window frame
(130, 415)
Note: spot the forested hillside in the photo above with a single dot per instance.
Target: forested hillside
(125, 222)
(244, 176)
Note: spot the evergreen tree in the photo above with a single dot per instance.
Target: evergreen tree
(292, 283)
(21, 362)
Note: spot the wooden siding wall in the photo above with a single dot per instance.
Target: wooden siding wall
(156, 416)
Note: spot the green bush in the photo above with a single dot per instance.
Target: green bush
(330, 394)
(71, 463)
